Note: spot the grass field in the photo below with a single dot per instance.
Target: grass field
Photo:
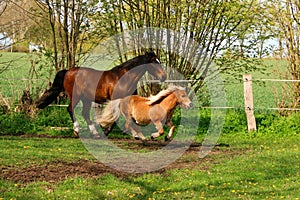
(38, 161)
(243, 166)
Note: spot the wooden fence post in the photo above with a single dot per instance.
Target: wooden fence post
(249, 106)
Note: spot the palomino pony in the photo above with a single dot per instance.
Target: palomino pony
(139, 110)
(90, 85)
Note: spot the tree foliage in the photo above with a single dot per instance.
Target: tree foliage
(285, 16)
(213, 26)
(68, 24)
(14, 21)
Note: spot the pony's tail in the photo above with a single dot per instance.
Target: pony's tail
(110, 114)
(50, 95)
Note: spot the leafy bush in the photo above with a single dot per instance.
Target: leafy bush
(14, 123)
(279, 125)
(49, 121)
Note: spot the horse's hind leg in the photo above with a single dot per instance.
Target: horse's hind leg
(86, 114)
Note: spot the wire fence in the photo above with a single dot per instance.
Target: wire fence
(239, 107)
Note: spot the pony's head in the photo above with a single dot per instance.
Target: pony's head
(182, 97)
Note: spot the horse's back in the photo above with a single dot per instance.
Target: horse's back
(83, 81)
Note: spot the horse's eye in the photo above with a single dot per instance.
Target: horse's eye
(182, 96)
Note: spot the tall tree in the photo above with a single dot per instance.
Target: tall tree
(286, 16)
(14, 25)
(68, 22)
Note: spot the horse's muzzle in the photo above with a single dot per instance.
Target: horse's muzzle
(163, 78)
(190, 105)
(186, 105)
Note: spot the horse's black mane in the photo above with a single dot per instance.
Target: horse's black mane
(134, 62)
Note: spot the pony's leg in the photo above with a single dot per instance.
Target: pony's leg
(86, 115)
(160, 128)
(107, 130)
(72, 105)
(139, 134)
(172, 127)
(134, 129)
(97, 111)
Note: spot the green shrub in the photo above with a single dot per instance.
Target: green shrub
(49, 120)
(279, 125)
(16, 123)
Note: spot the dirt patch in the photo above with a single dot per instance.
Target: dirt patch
(57, 171)
(60, 170)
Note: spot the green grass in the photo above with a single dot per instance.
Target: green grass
(24, 152)
(263, 167)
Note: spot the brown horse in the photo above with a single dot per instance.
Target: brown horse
(90, 85)
(139, 110)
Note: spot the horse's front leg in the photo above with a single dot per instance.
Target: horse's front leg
(160, 128)
(73, 103)
(86, 114)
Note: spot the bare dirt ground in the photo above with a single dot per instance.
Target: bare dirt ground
(60, 170)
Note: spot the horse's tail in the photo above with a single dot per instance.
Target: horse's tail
(50, 95)
(110, 114)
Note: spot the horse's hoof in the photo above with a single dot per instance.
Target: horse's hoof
(76, 134)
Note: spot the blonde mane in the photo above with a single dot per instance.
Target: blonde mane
(162, 94)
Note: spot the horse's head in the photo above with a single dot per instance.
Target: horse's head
(155, 68)
(183, 98)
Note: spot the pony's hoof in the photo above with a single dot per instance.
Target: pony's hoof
(136, 137)
(153, 138)
(166, 138)
(96, 136)
(145, 140)
(106, 132)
